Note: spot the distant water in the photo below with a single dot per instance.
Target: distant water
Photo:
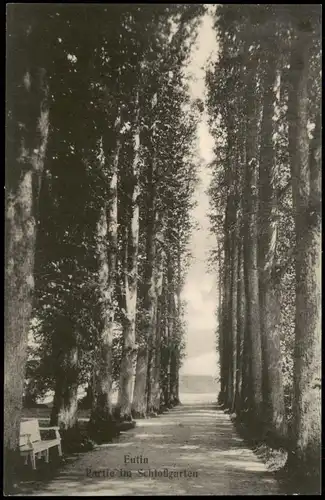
(192, 398)
(198, 384)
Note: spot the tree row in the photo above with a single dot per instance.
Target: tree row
(100, 177)
(264, 103)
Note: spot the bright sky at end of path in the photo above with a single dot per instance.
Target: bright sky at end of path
(200, 291)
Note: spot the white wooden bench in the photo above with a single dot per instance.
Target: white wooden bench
(31, 443)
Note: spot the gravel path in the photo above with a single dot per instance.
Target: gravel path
(191, 450)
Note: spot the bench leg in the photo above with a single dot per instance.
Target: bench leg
(32, 458)
(60, 450)
(26, 460)
(47, 456)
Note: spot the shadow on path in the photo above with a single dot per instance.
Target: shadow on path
(190, 450)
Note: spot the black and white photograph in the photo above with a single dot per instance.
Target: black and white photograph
(162, 294)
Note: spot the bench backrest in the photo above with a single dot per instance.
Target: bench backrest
(29, 427)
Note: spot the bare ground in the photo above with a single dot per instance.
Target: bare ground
(194, 439)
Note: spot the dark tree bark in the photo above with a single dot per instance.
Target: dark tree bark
(101, 417)
(250, 251)
(155, 364)
(139, 404)
(174, 355)
(165, 351)
(27, 135)
(243, 320)
(170, 330)
(174, 344)
(178, 318)
(232, 346)
(269, 308)
(241, 327)
(130, 271)
(65, 402)
(220, 315)
(224, 328)
(306, 190)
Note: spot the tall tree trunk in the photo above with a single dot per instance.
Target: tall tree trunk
(240, 383)
(178, 401)
(27, 134)
(232, 349)
(130, 265)
(273, 391)
(174, 355)
(179, 319)
(224, 353)
(65, 354)
(247, 361)
(243, 381)
(101, 417)
(155, 365)
(165, 358)
(173, 374)
(139, 405)
(250, 251)
(220, 313)
(151, 354)
(306, 189)
(88, 399)
(65, 402)
(170, 329)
